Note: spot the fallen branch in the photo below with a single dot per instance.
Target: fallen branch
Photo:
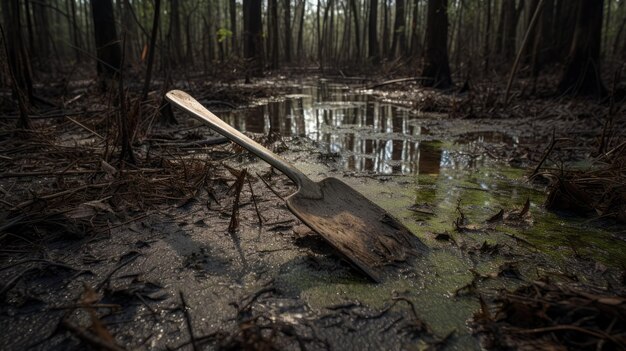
(399, 80)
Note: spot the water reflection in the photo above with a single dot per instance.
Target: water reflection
(368, 135)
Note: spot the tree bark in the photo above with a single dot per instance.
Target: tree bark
(19, 65)
(373, 52)
(253, 39)
(385, 41)
(507, 33)
(108, 47)
(301, 32)
(75, 32)
(436, 65)
(415, 36)
(565, 17)
(273, 19)
(40, 13)
(357, 32)
(288, 38)
(581, 75)
(210, 27)
(174, 35)
(487, 43)
(398, 46)
(153, 37)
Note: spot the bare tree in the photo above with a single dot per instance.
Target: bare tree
(372, 36)
(436, 65)
(287, 6)
(398, 46)
(19, 65)
(252, 33)
(107, 45)
(581, 75)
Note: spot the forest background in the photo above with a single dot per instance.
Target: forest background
(572, 42)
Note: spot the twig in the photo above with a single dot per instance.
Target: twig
(61, 265)
(531, 26)
(234, 219)
(188, 319)
(61, 193)
(270, 187)
(85, 127)
(90, 338)
(256, 207)
(117, 268)
(393, 81)
(545, 155)
(597, 333)
(14, 280)
(75, 172)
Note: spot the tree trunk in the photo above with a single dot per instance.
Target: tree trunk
(189, 41)
(436, 66)
(174, 35)
(253, 37)
(40, 13)
(415, 36)
(487, 43)
(107, 46)
(287, 30)
(398, 47)
(211, 31)
(19, 66)
(232, 8)
(581, 75)
(357, 32)
(301, 32)
(29, 27)
(565, 17)
(373, 52)
(543, 45)
(75, 32)
(273, 21)
(385, 41)
(510, 15)
(153, 37)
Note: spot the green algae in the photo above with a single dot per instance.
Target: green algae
(543, 242)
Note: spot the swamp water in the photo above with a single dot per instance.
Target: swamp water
(392, 156)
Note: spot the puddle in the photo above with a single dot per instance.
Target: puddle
(360, 132)
(355, 135)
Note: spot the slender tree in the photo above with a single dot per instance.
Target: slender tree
(357, 32)
(581, 75)
(19, 65)
(507, 28)
(415, 35)
(301, 31)
(108, 47)
(287, 25)
(398, 46)
(252, 33)
(232, 7)
(436, 66)
(151, 48)
(273, 37)
(372, 33)
(174, 35)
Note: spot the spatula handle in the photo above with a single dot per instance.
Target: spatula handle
(193, 107)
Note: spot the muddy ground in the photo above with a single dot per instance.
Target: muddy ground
(168, 255)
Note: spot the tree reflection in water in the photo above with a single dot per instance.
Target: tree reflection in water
(370, 136)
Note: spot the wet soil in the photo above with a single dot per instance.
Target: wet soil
(174, 276)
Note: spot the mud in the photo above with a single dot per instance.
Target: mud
(273, 282)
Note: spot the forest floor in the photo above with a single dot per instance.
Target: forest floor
(186, 250)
